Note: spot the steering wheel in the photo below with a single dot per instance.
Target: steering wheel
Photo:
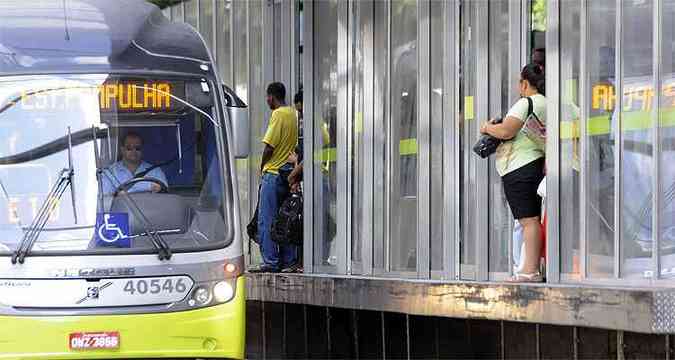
(130, 183)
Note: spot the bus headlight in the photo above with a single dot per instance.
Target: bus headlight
(223, 291)
(201, 296)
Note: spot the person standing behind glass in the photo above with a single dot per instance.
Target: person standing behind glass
(539, 57)
(280, 141)
(520, 163)
(298, 103)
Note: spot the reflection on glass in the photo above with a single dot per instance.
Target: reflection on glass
(501, 220)
(240, 84)
(467, 93)
(403, 141)
(206, 21)
(600, 140)
(257, 104)
(241, 56)
(224, 49)
(192, 13)
(177, 13)
(278, 40)
(358, 155)
(380, 114)
(437, 111)
(667, 142)
(569, 137)
(324, 118)
(636, 144)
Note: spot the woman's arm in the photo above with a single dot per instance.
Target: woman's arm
(505, 130)
(294, 178)
(295, 175)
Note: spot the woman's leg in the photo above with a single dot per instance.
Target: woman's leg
(532, 237)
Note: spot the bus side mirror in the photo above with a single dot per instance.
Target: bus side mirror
(238, 114)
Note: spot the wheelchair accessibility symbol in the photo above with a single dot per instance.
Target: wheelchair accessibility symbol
(112, 229)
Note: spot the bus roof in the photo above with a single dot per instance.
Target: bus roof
(94, 36)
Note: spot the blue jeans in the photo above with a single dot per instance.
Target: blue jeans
(273, 191)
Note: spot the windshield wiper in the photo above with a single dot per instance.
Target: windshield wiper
(71, 176)
(97, 161)
(65, 180)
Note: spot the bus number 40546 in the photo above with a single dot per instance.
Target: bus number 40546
(155, 286)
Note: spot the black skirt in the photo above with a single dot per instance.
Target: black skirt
(520, 188)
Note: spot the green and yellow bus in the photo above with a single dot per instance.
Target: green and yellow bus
(119, 224)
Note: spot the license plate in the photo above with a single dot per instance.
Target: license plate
(94, 340)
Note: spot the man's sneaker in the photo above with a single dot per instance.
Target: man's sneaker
(295, 268)
(264, 269)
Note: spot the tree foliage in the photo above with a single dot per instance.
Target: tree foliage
(539, 15)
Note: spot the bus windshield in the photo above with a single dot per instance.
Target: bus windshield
(106, 163)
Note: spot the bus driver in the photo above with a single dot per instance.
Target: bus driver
(129, 167)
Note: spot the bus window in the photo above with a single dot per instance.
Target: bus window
(126, 162)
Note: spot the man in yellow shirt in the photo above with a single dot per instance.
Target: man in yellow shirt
(280, 140)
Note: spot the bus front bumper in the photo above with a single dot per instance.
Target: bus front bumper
(215, 331)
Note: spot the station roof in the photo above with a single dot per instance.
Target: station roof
(45, 36)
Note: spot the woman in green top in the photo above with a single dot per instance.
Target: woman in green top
(520, 163)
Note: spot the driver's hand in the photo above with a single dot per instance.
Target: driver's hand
(155, 187)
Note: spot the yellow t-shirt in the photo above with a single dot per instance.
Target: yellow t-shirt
(282, 135)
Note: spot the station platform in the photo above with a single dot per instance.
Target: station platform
(319, 316)
(645, 310)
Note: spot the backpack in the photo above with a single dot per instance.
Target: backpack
(252, 227)
(287, 226)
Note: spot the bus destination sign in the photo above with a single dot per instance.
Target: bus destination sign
(113, 96)
(147, 96)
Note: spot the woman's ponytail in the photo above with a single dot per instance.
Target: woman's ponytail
(534, 74)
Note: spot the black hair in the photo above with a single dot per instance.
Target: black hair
(298, 97)
(534, 74)
(277, 90)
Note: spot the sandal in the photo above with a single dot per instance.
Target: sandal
(535, 277)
